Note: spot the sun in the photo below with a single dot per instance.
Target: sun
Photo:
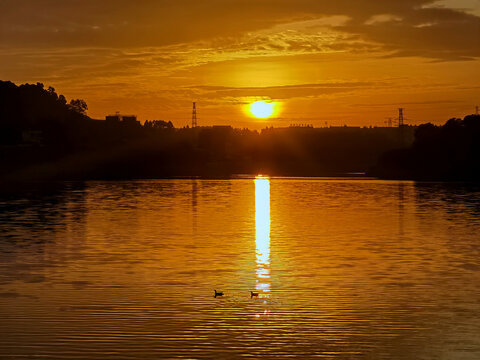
(262, 109)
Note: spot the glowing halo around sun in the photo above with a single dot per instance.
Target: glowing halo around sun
(261, 109)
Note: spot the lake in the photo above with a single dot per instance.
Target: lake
(344, 269)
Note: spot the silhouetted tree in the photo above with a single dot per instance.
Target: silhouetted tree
(448, 152)
(158, 124)
(78, 105)
(62, 100)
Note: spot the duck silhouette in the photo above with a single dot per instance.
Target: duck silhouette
(218, 293)
(253, 294)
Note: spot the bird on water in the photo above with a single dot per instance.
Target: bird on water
(218, 293)
(253, 294)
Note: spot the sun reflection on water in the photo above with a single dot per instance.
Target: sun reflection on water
(262, 226)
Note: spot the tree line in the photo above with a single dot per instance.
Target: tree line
(44, 137)
(450, 152)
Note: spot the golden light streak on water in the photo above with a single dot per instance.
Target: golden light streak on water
(262, 232)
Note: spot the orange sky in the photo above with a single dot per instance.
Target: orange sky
(343, 62)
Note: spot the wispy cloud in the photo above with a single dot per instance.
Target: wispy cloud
(409, 27)
(282, 92)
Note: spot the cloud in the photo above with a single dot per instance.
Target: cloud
(442, 34)
(403, 28)
(382, 18)
(468, 6)
(404, 103)
(84, 64)
(282, 92)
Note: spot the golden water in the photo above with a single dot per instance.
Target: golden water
(345, 269)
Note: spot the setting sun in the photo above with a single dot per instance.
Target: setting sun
(262, 109)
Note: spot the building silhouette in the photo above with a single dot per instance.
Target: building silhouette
(124, 119)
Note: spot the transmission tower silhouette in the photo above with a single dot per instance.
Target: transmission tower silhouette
(400, 117)
(194, 116)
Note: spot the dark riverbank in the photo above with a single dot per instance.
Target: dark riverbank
(443, 153)
(44, 138)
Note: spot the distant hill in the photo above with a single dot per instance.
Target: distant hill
(28, 108)
(450, 153)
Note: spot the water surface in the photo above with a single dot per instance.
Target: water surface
(345, 269)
